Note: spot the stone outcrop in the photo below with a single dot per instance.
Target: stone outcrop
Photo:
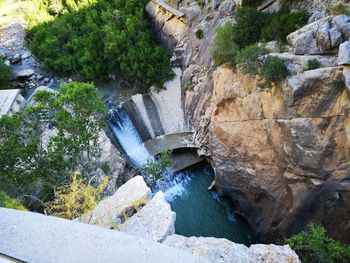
(110, 210)
(283, 155)
(219, 250)
(155, 221)
(322, 36)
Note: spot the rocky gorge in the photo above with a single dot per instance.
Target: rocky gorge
(281, 155)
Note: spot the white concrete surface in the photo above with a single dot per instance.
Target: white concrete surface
(36, 238)
(10, 101)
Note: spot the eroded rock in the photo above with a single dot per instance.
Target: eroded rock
(108, 211)
(221, 250)
(155, 221)
(25, 73)
(320, 37)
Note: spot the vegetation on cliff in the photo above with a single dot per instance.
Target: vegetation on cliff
(314, 245)
(92, 39)
(5, 74)
(236, 43)
(35, 158)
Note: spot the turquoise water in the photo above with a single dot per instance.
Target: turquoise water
(200, 212)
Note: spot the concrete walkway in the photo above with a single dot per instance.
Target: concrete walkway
(36, 238)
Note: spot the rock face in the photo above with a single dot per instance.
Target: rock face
(219, 250)
(108, 211)
(283, 155)
(322, 36)
(155, 221)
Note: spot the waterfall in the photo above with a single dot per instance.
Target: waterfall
(128, 137)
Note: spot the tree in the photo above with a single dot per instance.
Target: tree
(75, 199)
(33, 165)
(314, 245)
(93, 38)
(251, 59)
(155, 170)
(225, 49)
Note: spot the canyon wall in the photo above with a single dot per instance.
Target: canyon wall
(282, 155)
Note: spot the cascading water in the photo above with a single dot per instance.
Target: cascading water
(128, 137)
(199, 212)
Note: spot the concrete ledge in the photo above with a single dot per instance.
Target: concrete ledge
(35, 238)
(170, 141)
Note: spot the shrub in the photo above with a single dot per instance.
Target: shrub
(106, 37)
(247, 29)
(253, 3)
(155, 170)
(199, 33)
(8, 202)
(201, 3)
(189, 86)
(312, 64)
(273, 69)
(225, 49)
(338, 10)
(251, 59)
(314, 245)
(75, 199)
(5, 75)
(282, 23)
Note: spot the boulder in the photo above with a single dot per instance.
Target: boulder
(25, 73)
(26, 55)
(320, 37)
(220, 250)
(316, 16)
(16, 58)
(108, 212)
(344, 53)
(155, 221)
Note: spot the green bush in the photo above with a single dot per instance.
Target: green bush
(312, 64)
(282, 23)
(199, 33)
(94, 40)
(225, 49)
(5, 75)
(273, 69)
(314, 246)
(338, 10)
(247, 29)
(253, 3)
(251, 59)
(8, 202)
(201, 3)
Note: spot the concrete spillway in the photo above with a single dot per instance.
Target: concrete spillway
(151, 123)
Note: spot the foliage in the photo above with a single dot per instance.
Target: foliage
(201, 3)
(314, 245)
(225, 49)
(273, 69)
(312, 64)
(251, 59)
(34, 164)
(5, 75)
(154, 170)
(75, 199)
(189, 86)
(253, 3)
(247, 29)
(282, 23)
(93, 38)
(199, 33)
(254, 60)
(338, 10)
(8, 202)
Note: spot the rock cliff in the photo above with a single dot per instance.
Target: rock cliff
(282, 155)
